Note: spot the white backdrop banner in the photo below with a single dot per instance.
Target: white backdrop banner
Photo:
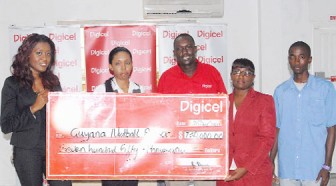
(68, 51)
(210, 40)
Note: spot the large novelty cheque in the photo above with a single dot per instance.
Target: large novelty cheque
(137, 136)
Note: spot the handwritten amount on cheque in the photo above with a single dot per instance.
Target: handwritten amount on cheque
(147, 144)
(85, 134)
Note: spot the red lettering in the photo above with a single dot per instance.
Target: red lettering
(19, 38)
(209, 34)
(170, 34)
(62, 37)
(202, 47)
(169, 60)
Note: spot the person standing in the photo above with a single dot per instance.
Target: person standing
(306, 116)
(23, 108)
(121, 64)
(251, 130)
(189, 76)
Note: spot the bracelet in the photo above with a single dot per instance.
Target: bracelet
(32, 112)
(326, 167)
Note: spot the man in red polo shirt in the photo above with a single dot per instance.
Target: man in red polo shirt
(190, 76)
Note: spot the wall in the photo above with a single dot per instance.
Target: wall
(260, 30)
(282, 23)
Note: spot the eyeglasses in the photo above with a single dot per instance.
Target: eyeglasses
(242, 72)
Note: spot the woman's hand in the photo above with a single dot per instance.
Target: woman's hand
(236, 174)
(275, 179)
(40, 102)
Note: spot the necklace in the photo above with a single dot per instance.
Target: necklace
(37, 89)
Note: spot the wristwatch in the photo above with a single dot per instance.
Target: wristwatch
(326, 167)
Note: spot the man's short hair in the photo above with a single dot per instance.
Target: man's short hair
(185, 35)
(302, 45)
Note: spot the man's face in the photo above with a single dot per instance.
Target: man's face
(185, 51)
(299, 60)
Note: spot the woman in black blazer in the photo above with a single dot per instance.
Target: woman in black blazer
(23, 107)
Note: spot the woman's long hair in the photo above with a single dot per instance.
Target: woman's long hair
(21, 68)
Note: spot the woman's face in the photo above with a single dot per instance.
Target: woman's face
(40, 57)
(121, 66)
(242, 78)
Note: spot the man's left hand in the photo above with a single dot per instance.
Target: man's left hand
(325, 175)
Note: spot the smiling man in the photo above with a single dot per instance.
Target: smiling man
(190, 75)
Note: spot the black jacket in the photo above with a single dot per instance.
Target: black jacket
(16, 116)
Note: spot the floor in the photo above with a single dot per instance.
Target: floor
(332, 181)
(151, 183)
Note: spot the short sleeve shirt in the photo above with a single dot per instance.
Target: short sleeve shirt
(303, 117)
(206, 79)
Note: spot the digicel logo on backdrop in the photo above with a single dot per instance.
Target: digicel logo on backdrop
(142, 69)
(120, 42)
(53, 36)
(99, 53)
(62, 37)
(141, 34)
(99, 34)
(203, 59)
(66, 63)
(142, 52)
(19, 37)
(170, 60)
(170, 34)
(209, 34)
(211, 59)
(202, 47)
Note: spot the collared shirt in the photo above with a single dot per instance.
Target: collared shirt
(303, 117)
(206, 79)
(115, 86)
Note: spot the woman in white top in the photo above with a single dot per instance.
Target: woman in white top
(121, 65)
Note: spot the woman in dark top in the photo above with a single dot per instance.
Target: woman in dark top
(23, 107)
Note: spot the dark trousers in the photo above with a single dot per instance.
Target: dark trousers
(161, 183)
(30, 165)
(120, 183)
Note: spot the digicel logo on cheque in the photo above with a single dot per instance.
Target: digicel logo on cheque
(197, 108)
